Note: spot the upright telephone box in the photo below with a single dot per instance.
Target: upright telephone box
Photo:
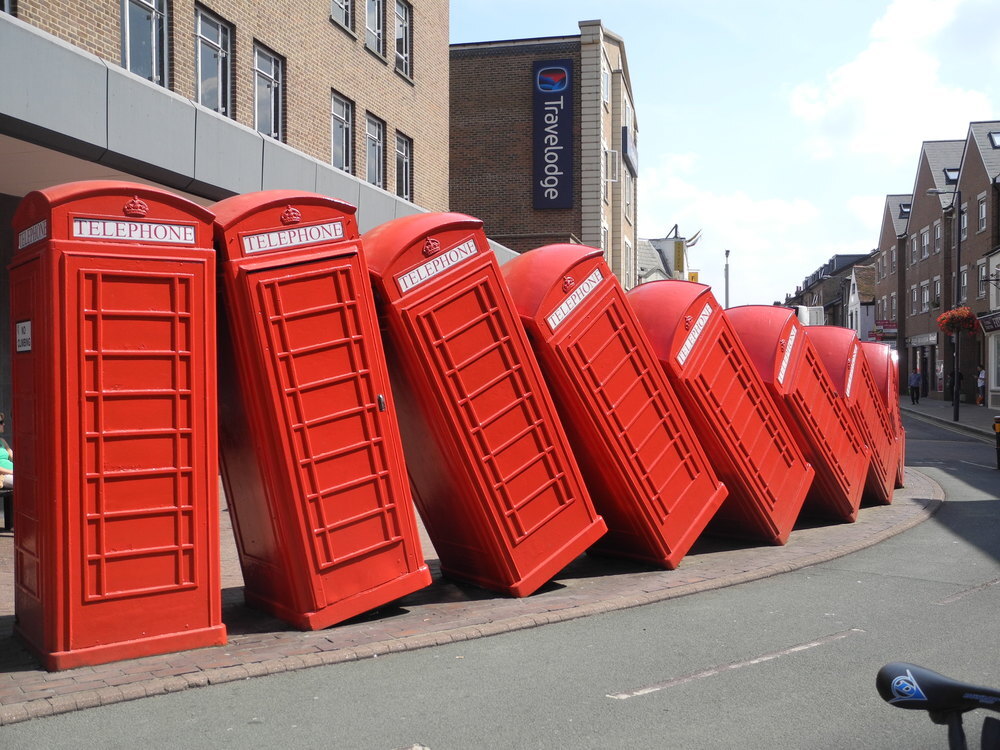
(112, 295)
(646, 471)
(739, 425)
(796, 377)
(311, 453)
(884, 363)
(848, 367)
(497, 486)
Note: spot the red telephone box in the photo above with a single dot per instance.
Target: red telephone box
(311, 453)
(884, 363)
(848, 367)
(646, 471)
(735, 417)
(498, 489)
(794, 374)
(112, 295)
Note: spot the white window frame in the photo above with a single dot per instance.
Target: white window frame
(223, 50)
(404, 38)
(605, 80)
(981, 279)
(374, 150)
(925, 243)
(375, 26)
(963, 222)
(982, 214)
(157, 10)
(925, 296)
(892, 260)
(913, 250)
(404, 166)
(628, 189)
(342, 12)
(342, 123)
(937, 237)
(274, 79)
(963, 284)
(913, 300)
(894, 309)
(936, 294)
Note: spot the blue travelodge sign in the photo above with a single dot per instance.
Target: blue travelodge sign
(552, 82)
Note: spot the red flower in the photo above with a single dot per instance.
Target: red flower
(958, 320)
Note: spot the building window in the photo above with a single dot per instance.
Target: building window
(342, 12)
(936, 298)
(963, 285)
(913, 300)
(981, 290)
(375, 151)
(404, 38)
(937, 236)
(627, 193)
(404, 167)
(268, 93)
(925, 243)
(951, 175)
(892, 260)
(6, 6)
(342, 133)
(892, 301)
(374, 23)
(963, 223)
(213, 54)
(925, 297)
(144, 39)
(913, 250)
(605, 80)
(982, 214)
(605, 240)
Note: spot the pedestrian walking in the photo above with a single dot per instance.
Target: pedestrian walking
(981, 386)
(914, 382)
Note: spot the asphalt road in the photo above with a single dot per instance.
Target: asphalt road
(785, 662)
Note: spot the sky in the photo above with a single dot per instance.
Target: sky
(777, 127)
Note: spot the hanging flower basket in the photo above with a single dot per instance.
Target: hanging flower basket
(957, 320)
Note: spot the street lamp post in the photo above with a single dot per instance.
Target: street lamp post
(956, 208)
(727, 279)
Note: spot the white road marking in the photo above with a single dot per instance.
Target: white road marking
(712, 671)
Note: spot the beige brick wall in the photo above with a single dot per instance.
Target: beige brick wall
(320, 56)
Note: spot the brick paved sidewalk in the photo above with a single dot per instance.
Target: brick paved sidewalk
(443, 612)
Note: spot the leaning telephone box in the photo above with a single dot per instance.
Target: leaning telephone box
(848, 367)
(646, 471)
(735, 417)
(311, 453)
(796, 377)
(498, 489)
(112, 296)
(884, 363)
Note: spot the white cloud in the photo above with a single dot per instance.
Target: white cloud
(769, 237)
(867, 105)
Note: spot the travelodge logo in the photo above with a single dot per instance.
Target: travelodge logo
(552, 79)
(552, 139)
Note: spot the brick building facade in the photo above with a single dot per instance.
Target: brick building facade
(939, 249)
(346, 98)
(496, 139)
